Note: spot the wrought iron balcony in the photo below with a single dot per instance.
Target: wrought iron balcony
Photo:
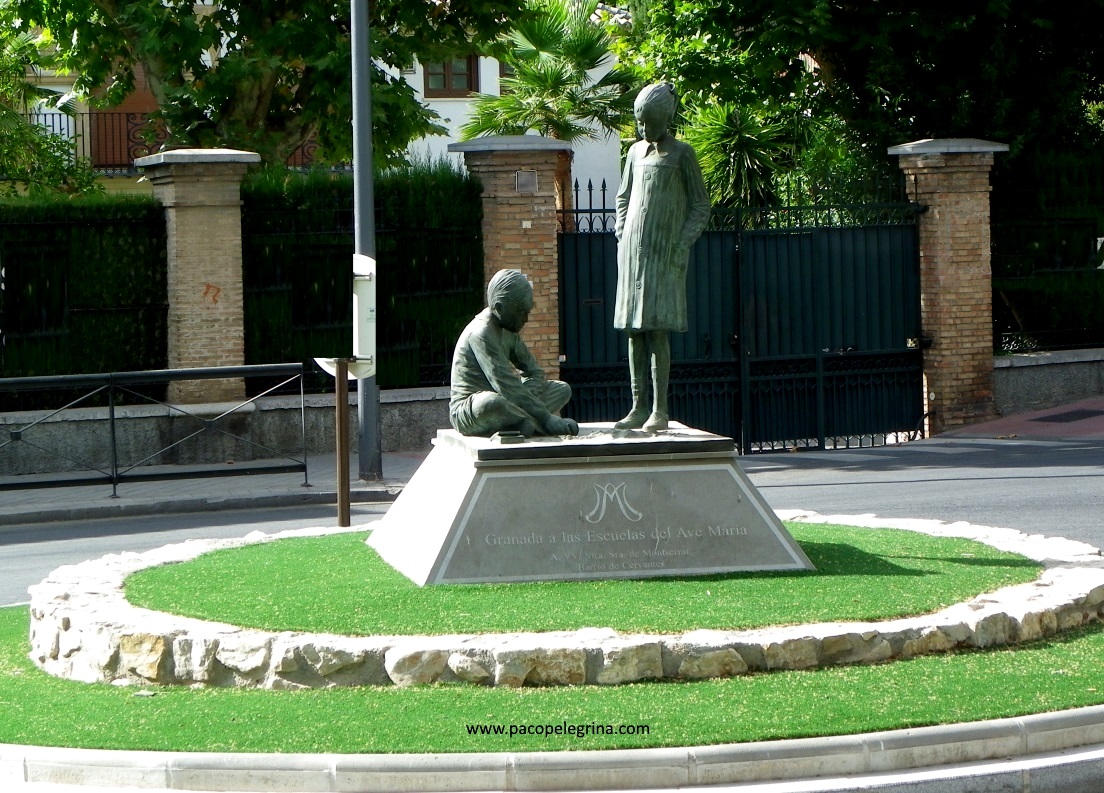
(112, 140)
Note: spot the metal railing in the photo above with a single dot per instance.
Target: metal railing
(120, 386)
(112, 140)
(593, 211)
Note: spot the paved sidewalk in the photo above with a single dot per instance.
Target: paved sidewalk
(1083, 420)
(85, 502)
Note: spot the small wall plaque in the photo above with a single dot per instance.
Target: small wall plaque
(525, 181)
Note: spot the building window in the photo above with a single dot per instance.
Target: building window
(458, 77)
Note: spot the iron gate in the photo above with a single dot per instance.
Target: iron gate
(804, 326)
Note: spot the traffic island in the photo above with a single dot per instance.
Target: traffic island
(83, 628)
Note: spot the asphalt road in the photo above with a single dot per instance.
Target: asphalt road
(1039, 487)
(29, 553)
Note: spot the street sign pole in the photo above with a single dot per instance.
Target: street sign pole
(362, 366)
(364, 217)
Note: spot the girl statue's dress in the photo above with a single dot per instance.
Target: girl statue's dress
(662, 208)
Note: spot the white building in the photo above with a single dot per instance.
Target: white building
(448, 90)
(108, 136)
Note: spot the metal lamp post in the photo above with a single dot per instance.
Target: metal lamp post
(362, 366)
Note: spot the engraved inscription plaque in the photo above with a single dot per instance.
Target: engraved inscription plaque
(690, 511)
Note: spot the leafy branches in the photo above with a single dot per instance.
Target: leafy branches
(30, 157)
(560, 84)
(1019, 71)
(738, 153)
(264, 76)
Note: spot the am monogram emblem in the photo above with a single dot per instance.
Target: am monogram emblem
(615, 493)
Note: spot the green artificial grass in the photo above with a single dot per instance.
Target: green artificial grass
(336, 584)
(1060, 673)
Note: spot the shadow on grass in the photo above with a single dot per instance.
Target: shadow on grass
(841, 559)
(968, 562)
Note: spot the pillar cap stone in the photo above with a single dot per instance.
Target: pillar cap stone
(196, 156)
(510, 143)
(948, 146)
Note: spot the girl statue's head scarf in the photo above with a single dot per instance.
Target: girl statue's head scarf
(660, 96)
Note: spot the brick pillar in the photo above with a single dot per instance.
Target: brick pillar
(200, 190)
(950, 179)
(520, 227)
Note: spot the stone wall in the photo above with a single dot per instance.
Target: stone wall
(1040, 380)
(83, 628)
(410, 419)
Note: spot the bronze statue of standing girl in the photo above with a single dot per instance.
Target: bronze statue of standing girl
(662, 208)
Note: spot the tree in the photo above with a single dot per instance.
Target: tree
(738, 153)
(752, 114)
(560, 82)
(1019, 71)
(266, 76)
(29, 156)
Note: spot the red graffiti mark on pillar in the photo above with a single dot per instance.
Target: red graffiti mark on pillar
(211, 291)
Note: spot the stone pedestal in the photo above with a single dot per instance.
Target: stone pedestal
(518, 174)
(950, 179)
(200, 190)
(606, 504)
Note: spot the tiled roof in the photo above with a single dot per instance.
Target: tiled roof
(619, 15)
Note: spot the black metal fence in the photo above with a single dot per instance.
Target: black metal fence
(298, 292)
(1048, 283)
(113, 140)
(830, 346)
(1047, 254)
(803, 324)
(107, 459)
(82, 288)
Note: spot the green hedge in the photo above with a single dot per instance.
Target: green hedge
(297, 250)
(84, 281)
(1048, 213)
(83, 285)
(1049, 311)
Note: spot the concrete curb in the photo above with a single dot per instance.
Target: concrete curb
(386, 492)
(83, 628)
(963, 752)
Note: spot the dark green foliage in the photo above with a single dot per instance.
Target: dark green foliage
(1048, 213)
(298, 246)
(554, 57)
(1048, 311)
(32, 159)
(1016, 71)
(1050, 183)
(84, 286)
(265, 77)
(849, 79)
(738, 152)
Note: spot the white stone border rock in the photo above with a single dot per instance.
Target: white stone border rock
(83, 628)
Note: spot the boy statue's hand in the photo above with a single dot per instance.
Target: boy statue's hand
(561, 426)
